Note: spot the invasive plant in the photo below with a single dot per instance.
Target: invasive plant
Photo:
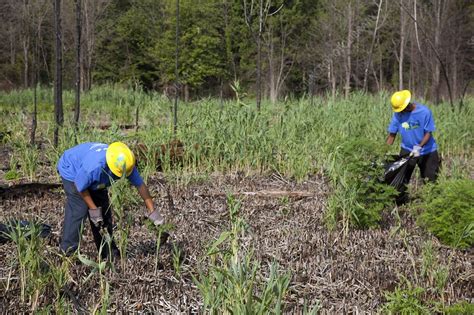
(31, 265)
(234, 283)
(100, 267)
(122, 198)
(177, 259)
(447, 212)
(360, 194)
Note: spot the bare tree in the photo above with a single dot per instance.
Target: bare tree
(58, 88)
(78, 63)
(372, 45)
(176, 72)
(93, 11)
(402, 46)
(279, 61)
(260, 11)
(348, 51)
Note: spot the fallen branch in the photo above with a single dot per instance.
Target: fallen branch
(22, 189)
(261, 193)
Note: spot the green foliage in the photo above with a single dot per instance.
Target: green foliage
(448, 212)
(461, 308)
(234, 282)
(12, 175)
(405, 301)
(360, 195)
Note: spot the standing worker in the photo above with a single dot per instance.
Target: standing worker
(86, 171)
(415, 124)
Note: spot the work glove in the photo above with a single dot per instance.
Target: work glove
(415, 152)
(156, 218)
(96, 216)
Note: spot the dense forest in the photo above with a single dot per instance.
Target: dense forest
(271, 48)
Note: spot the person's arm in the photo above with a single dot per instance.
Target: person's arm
(88, 199)
(425, 139)
(145, 194)
(391, 138)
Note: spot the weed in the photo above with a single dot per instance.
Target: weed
(234, 282)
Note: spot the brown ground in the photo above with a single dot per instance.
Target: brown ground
(346, 272)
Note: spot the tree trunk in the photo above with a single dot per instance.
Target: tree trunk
(58, 89)
(371, 50)
(259, 55)
(25, 61)
(402, 47)
(176, 70)
(348, 66)
(78, 63)
(34, 115)
(436, 70)
(26, 42)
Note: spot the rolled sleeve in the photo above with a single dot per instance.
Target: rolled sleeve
(135, 178)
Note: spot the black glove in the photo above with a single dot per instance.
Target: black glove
(96, 216)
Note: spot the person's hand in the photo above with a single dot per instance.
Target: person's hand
(415, 152)
(96, 216)
(156, 218)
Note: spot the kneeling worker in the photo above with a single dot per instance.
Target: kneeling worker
(86, 171)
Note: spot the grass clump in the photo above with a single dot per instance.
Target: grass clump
(235, 282)
(448, 212)
(360, 193)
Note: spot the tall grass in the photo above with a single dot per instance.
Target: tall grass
(296, 138)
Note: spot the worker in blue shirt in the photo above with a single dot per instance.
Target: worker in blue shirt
(86, 171)
(415, 124)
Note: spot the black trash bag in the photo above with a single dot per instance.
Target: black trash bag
(395, 172)
(44, 230)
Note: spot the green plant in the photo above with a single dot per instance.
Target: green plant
(122, 198)
(177, 259)
(461, 308)
(12, 175)
(448, 212)
(435, 274)
(360, 194)
(100, 268)
(407, 301)
(234, 283)
(32, 267)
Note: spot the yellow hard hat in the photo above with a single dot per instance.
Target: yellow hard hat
(400, 100)
(120, 158)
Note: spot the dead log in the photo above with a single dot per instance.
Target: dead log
(27, 188)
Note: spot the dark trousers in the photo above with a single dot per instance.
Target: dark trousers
(75, 213)
(429, 167)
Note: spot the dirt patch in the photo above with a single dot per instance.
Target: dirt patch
(346, 272)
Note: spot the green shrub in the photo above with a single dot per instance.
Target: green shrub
(448, 212)
(405, 301)
(462, 308)
(360, 194)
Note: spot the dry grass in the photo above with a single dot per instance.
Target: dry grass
(345, 272)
